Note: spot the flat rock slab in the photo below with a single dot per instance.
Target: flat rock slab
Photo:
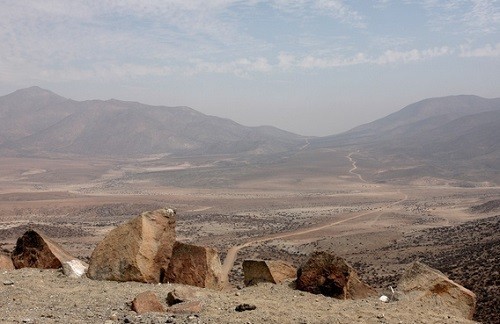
(188, 307)
(425, 284)
(273, 271)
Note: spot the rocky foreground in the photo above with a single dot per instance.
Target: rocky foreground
(47, 296)
(139, 273)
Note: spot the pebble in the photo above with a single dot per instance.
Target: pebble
(8, 282)
(245, 307)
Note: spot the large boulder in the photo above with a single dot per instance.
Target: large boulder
(194, 265)
(138, 250)
(327, 274)
(425, 284)
(35, 250)
(6, 262)
(256, 271)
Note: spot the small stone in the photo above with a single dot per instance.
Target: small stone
(8, 283)
(237, 293)
(384, 299)
(245, 307)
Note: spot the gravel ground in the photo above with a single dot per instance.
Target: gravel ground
(47, 296)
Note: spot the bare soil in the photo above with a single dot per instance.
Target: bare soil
(272, 207)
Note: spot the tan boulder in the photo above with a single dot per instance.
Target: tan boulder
(327, 274)
(147, 302)
(194, 265)
(138, 250)
(275, 271)
(181, 294)
(35, 250)
(425, 284)
(188, 307)
(6, 262)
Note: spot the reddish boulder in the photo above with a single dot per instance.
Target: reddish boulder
(327, 274)
(147, 302)
(35, 250)
(138, 250)
(6, 262)
(430, 286)
(256, 271)
(194, 265)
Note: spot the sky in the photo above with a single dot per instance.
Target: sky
(312, 67)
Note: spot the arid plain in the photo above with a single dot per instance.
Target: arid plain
(281, 206)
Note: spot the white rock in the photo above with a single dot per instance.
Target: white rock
(74, 268)
(384, 299)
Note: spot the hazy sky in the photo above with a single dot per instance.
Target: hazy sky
(314, 67)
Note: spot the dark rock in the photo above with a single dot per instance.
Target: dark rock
(327, 274)
(35, 250)
(245, 307)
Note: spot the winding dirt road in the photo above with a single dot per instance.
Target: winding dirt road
(354, 167)
(233, 251)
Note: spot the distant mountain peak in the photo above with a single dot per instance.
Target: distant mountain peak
(35, 91)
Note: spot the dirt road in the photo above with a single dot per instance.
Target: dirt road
(233, 251)
(354, 167)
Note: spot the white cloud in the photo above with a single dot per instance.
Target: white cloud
(464, 16)
(336, 9)
(311, 62)
(285, 61)
(242, 67)
(485, 51)
(390, 56)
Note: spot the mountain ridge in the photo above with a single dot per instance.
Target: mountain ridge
(454, 136)
(36, 120)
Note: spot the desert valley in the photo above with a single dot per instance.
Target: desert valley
(419, 185)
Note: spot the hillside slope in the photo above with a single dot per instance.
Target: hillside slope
(454, 136)
(35, 121)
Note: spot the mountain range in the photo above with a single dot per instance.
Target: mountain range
(455, 136)
(448, 135)
(34, 121)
